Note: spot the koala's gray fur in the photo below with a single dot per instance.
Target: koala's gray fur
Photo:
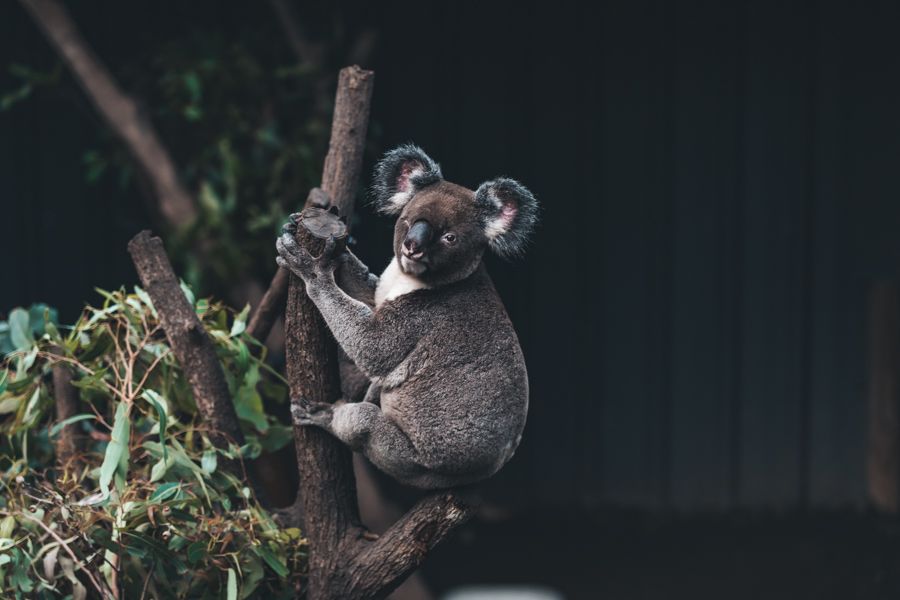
(449, 392)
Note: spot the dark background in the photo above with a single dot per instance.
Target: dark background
(720, 192)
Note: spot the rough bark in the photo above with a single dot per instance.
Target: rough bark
(189, 341)
(383, 564)
(327, 487)
(65, 397)
(119, 111)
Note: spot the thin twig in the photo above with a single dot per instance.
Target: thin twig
(147, 580)
(149, 370)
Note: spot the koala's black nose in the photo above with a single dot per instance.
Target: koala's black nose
(417, 237)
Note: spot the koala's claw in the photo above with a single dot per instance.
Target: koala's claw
(311, 413)
(294, 257)
(302, 263)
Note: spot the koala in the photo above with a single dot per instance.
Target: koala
(449, 390)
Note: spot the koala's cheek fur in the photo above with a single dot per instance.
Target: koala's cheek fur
(395, 282)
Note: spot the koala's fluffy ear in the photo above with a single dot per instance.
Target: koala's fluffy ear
(399, 175)
(508, 213)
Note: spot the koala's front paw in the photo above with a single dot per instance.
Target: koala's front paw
(295, 258)
(311, 413)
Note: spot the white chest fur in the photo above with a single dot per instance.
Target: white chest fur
(394, 283)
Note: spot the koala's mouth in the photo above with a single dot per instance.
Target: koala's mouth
(413, 264)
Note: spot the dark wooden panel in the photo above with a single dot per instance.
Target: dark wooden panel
(707, 109)
(836, 415)
(775, 255)
(635, 242)
(559, 388)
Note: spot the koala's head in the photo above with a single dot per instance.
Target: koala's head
(442, 228)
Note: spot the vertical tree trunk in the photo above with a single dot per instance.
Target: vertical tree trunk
(327, 486)
(345, 562)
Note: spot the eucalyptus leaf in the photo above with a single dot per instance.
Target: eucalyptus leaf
(159, 404)
(145, 298)
(10, 405)
(6, 345)
(41, 317)
(273, 561)
(117, 447)
(240, 322)
(208, 462)
(165, 491)
(74, 419)
(196, 552)
(232, 585)
(4, 376)
(20, 329)
(187, 291)
(31, 407)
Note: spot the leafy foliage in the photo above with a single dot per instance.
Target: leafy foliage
(144, 508)
(246, 126)
(249, 140)
(28, 80)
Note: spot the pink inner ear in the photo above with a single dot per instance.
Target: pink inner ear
(406, 172)
(508, 214)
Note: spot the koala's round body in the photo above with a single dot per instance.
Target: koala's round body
(449, 394)
(461, 394)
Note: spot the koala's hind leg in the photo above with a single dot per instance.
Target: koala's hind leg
(366, 429)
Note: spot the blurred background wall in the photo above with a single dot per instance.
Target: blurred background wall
(719, 187)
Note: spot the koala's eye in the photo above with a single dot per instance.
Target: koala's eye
(450, 238)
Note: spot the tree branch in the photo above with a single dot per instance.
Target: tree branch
(384, 564)
(119, 111)
(65, 397)
(270, 307)
(190, 343)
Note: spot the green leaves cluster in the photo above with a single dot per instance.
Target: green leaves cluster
(248, 136)
(144, 508)
(245, 126)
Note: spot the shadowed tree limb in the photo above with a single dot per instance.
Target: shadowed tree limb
(119, 111)
(382, 565)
